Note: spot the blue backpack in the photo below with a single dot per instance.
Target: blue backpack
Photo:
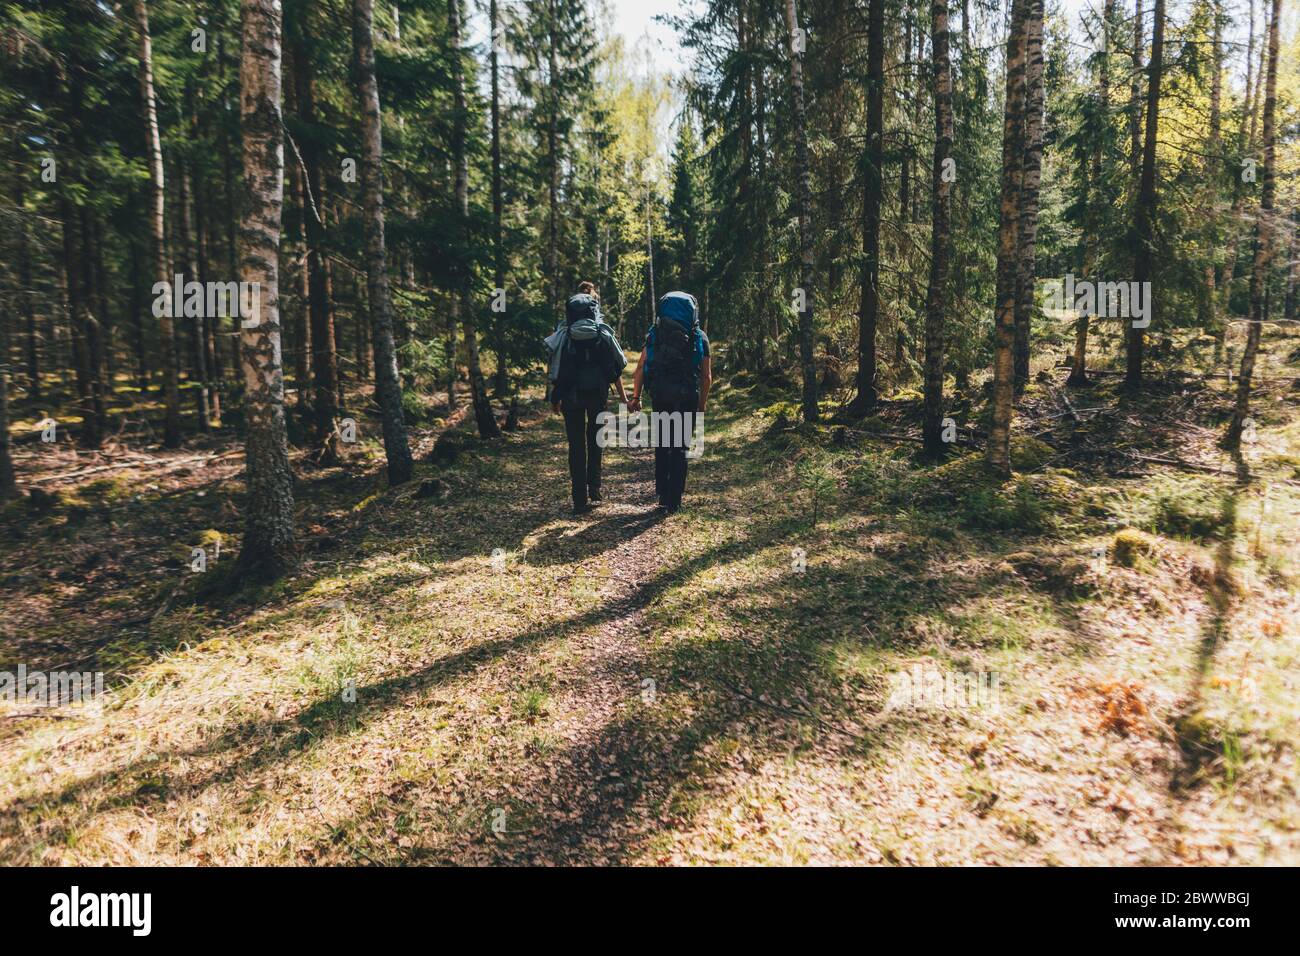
(675, 351)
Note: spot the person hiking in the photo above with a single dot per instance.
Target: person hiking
(676, 367)
(586, 360)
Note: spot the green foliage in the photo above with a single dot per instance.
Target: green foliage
(1176, 506)
(818, 480)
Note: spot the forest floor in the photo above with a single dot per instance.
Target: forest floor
(479, 677)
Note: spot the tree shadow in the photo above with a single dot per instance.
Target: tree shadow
(1195, 749)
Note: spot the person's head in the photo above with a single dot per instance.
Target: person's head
(587, 288)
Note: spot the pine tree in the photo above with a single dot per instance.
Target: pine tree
(268, 548)
(388, 390)
(1264, 230)
(157, 226)
(804, 205)
(1013, 146)
(936, 299)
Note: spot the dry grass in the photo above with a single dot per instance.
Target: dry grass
(710, 688)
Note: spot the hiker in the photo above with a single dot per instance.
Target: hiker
(586, 360)
(676, 367)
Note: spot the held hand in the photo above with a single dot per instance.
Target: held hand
(634, 405)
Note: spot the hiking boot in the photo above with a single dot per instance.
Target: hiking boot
(594, 495)
(581, 508)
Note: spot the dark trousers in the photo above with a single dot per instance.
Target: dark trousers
(671, 461)
(580, 411)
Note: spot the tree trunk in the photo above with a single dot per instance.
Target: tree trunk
(905, 145)
(1031, 175)
(8, 486)
(1289, 303)
(232, 202)
(940, 232)
(1135, 97)
(78, 320)
(325, 360)
(1146, 210)
(998, 452)
(1208, 318)
(1228, 271)
(138, 305)
(25, 293)
(208, 324)
(804, 202)
(498, 239)
(553, 164)
(1264, 229)
(79, 268)
(1079, 366)
(188, 268)
(268, 548)
(158, 229)
(300, 329)
(388, 390)
(873, 161)
(649, 263)
(483, 417)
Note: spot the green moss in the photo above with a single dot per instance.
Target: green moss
(1131, 547)
(105, 491)
(1030, 454)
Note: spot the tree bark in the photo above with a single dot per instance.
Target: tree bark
(873, 161)
(325, 361)
(483, 417)
(1135, 96)
(1079, 365)
(998, 452)
(138, 305)
(553, 164)
(804, 204)
(1146, 211)
(1264, 229)
(268, 548)
(208, 326)
(188, 268)
(936, 297)
(905, 171)
(498, 239)
(8, 485)
(300, 329)
(158, 228)
(388, 390)
(1031, 174)
(24, 258)
(1209, 318)
(79, 320)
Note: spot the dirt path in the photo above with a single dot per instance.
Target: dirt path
(581, 790)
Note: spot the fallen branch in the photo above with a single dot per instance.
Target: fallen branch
(1064, 402)
(163, 463)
